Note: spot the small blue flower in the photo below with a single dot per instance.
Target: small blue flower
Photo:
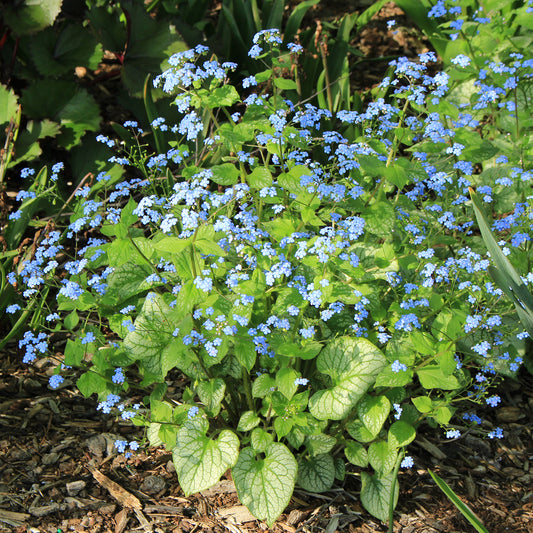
(89, 337)
(118, 377)
(407, 462)
(193, 411)
(55, 381)
(120, 445)
(493, 401)
(255, 51)
(12, 309)
(398, 367)
(496, 434)
(453, 434)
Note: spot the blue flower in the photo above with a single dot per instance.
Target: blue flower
(398, 367)
(495, 434)
(255, 51)
(407, 322)
(461, 60)
(55, 381)
(307, 333)
(407, 462)
(88, 338)
(118, 377)
(453, 434)
(493, 401)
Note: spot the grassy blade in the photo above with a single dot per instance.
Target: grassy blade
(151, 113)
(295, 19)
(504, 273)
(364, 18)
(465, 510)
(276, 15)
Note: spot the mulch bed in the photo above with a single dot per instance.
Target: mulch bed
(58, 472)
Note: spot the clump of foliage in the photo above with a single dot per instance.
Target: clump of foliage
(317, 279)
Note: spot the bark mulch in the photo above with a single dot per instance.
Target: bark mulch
(59, 473)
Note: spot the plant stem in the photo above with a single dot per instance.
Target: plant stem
(393, 487)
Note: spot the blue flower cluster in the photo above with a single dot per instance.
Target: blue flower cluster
(260, 261)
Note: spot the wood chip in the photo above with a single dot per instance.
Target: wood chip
(222, 487)
(44, 510)
(238, 513)
(164, 509)
(11, 515)
(431, 448)
(121, 520)
(125, 498)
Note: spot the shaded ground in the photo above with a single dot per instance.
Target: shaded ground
(57, 469)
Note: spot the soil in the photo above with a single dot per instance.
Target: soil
(59, 473)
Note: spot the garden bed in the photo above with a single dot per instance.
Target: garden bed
(52, 440)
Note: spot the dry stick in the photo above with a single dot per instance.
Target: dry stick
(123, 497)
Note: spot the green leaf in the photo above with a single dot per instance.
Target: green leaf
(382, 458)
(295, 19)
(259, 178)
(200, 461)
(283, 426)
(263, 385)
(225, 174)
(465, 510)
(71, 321)
(245, 352)
(340, 469)
(448, 324)
(8, 106)
(79, 115)
(373, 411)
(265, 485)
(211, 394)
(151, 336)
(388, 378)
(356, 454)
(55, 54)
(261, 440)
(443, 415)
(32, 16)
(317, 473)
(353, 365)
(153, 434)
(226, 95)
(173, 245)
(359, 432)
(380, 219)
(148, 46)
(319, 444)
(401, 434)
(74, 352)
(91, 382)
(285, 379)
(248, 421)
(376, 494)
(504, 273)
(285, 85)
(432, 377)
(423, 403)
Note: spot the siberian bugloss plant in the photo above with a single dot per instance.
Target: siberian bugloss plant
(315, 282)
